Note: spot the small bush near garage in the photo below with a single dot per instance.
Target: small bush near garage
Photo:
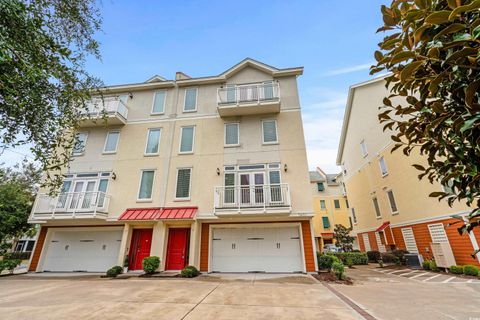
(338, 269)
(401, 255)
(150, 264)
(456, 269)
(325, 261)
(426, 265)
(357, 258)
(189, 272)
(373, 256)
(9, 264)
(388, 257)
(114, 271)
(470, 270)
(433, 266)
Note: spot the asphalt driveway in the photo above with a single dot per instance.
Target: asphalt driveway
(251, 297)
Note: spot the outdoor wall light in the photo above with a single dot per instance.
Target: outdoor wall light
(218, 171)
(114, 176)
(130, 95)
(285, 167)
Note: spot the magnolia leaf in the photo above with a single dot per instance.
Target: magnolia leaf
(464, 53)
(467, 8)
(436, 194)
(476, 32)
(409, 69)
(438, 17)
(470, 92)
(402, 56)
(468, 125)
(452, 4)
(462, 37)
(378, 56)
(418, 167)
(455, 27)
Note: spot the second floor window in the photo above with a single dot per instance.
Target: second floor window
(146, 185)
(187, 139)
(269, 129)
(393, 204)
(183, 183)
(153, 141)
(111, 142)
(326, 222)
(383, 166)
(159, 102)
(322, 205)
(376, 207)
(320, 186)
(354, 216)
(190, 100)
(232, 134)
(363, 148)
(336, 203)
(80, 143)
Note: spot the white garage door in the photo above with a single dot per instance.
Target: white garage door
(93, 251)
(257, 250)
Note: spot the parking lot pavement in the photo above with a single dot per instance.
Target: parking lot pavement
(412, 294)
(427, 276)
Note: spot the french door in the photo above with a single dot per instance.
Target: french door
(251, 188)
(83, 195)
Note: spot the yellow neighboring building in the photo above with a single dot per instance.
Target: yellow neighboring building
(330, 206)
(390, 207)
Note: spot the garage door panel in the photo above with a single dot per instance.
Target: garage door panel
(93, 251)
(260, 249)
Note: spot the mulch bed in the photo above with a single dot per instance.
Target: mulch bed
(330, 277)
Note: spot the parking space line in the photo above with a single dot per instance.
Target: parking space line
(435, 276)
(419, 275)
(405, 274)
(403, 270)
(449, 279)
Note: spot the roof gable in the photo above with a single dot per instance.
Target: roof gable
(156, 78)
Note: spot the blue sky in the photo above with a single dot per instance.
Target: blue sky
(334, 40)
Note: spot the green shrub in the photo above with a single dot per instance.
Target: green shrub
(325, 261)
(400, 254)
(456, 269)
(358, 258)
(9, 264)
(349, 261)
(189, 272)
(150, 264)
(388, 257)
(433, 266)
(114, 271)
(373, 256)
(470, 270)
(426, 265)
(338, 269)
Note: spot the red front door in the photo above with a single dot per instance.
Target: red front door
(177, 249)
(139, 248)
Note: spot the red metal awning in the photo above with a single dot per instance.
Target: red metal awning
(327, 235)
(159, 213)
(383, 226)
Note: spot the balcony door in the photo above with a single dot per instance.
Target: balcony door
(83, 194)
(251, 188)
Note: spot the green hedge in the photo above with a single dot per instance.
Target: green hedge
(456, 269)
(470, 270)
(150, 264)
(114, 271)
(325, 261)
(356, 258)
(189, 272)
(373, 256)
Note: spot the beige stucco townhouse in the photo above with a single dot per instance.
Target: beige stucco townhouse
(208, 171)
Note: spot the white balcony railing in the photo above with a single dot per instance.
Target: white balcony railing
(249, 93)
(263, 197)
(109, 106)
(71, 204)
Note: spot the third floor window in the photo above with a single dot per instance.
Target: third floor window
(159, 102)
(111, 142)
(232, 134)
(190, 100)
(80, 143)
(269, 130)
(153, 141)
(187, 139)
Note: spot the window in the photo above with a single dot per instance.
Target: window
(102, 188)
(183, 183)
(187, 139)
(153, 140)
(322, 205)
(229, 196)
(383, 167)
(377, 208)
(393, 204)
(354, 216)
(159, 102)
(326, 222)
(363, 148)
(347, 204)
(350, 222)
(80, 143)
(146, 185)
(320, 186)
(409, 239)
(437, 232)
(190, 100)
(269, 129)
(111, 142)
(336, 203)
(366, 242)
(232, 134)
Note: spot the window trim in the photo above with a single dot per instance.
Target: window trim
(145, 153)
(363, 146)
(225, 135)
(116, 145)
(276, 132)
(140, 185)
(324, 208)
(354, 216)
(185, 99)
(189, 185)
(380, 165)
(153, 113)
(339, 204)
(389, 202)
(378, 214)
(84, 147)
(193, 140)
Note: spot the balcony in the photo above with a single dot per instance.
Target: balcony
(112, 110)
(274, 198)
(71, 205)
(251, 99)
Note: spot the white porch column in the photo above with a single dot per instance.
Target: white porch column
(124, 245)
(158, 243)
(194, 245)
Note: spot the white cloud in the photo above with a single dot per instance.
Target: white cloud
(360, 67)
